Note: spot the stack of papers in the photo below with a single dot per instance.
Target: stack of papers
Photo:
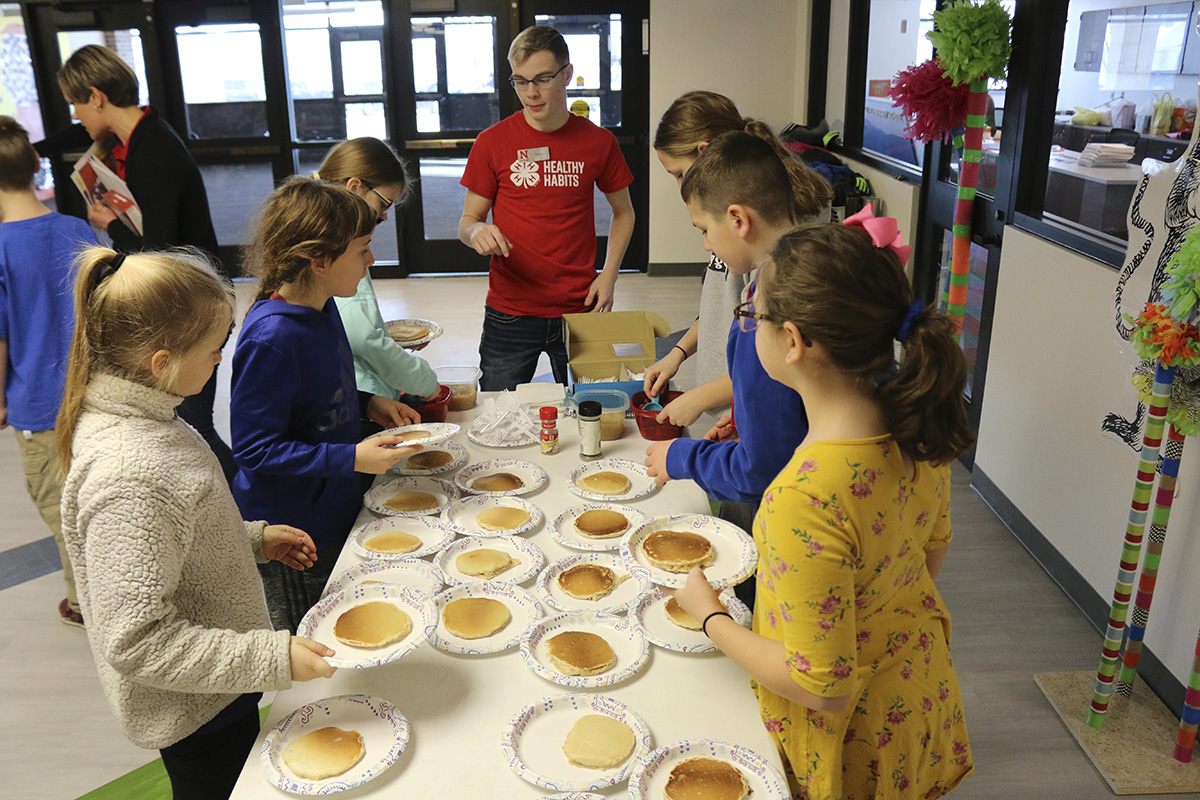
(1105, 155)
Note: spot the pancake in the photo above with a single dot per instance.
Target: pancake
(411, 500)
(324, 753)
(405, 332)
(484, 562)
(601, 523)
(580, 653)
(374, 624)
(605, 483)
(429, 459)
(393, 542)
(589, 581)
(475, 617)
(598, 742)
(678, 551)
(705, 779)
(502, 518)
(497, 482)
(411, 436)
(683, 619)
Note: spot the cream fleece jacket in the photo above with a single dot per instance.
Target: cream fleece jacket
(164, 567)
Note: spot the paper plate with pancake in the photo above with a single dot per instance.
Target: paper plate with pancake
(585, 650)
(484, 515)
(501, 477)
(611, 480)
(398, 538)
(508, 559)
(432, 459)
(485, 617)
(370, 625)
(575, 742)
(373, 735)
(412, 332)
(670, 546)
(411, 572)
(422, 433)
(708, 770)
(410, 496)
(677, 630)
(573, 796)
(599, 582)
(595, 527)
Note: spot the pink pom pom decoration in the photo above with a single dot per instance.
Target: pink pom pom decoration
(935, 107)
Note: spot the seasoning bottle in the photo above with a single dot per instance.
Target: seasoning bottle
(589, 430)
(549, 437)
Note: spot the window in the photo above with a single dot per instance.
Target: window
(454, 73)
(223, 84)
(595, 45)
(896, 41)
(18, 91)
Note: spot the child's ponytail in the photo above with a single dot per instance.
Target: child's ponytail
(811, 193)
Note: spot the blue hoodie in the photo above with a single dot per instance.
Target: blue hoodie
(295, 417)
(770, 422)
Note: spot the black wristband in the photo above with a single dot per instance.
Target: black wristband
(704, 625)
(680, 349)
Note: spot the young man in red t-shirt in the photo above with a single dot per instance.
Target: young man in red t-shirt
(534, 172)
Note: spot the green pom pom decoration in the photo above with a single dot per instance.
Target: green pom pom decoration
(1181, 293)
(973, 40)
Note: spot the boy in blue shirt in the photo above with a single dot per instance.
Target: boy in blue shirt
(37, 248)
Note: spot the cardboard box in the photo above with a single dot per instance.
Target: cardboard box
(612, 345)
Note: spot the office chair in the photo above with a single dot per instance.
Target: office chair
(1123, 136)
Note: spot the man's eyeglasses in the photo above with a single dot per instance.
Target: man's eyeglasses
(748, 318)
(542, 81)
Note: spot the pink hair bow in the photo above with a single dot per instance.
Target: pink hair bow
(883, 231)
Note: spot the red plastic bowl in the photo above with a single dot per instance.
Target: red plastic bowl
(648, 426)
(434, 410)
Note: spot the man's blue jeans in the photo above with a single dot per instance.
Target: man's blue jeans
(511, 345)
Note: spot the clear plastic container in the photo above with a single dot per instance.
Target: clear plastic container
(463, 383)
(613, 405)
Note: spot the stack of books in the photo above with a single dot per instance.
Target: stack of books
(1105, 155)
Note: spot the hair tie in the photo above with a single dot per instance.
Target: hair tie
(884, 231)
(910, 319)
(112, 266)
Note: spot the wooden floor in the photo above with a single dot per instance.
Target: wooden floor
(1010, 619)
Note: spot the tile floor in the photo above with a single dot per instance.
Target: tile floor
(60, 740)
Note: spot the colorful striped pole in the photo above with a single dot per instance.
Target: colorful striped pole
(1189, 720)
(1161, 516)
(968, 184)
(1160, 399)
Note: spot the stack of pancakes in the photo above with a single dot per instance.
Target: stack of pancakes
(407, 332)
(324, 753)
(678, 551)
(580, 653)
(705, 779)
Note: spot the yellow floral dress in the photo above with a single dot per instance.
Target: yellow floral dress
(842, 535)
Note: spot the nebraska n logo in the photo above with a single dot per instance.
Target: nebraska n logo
(524, 173)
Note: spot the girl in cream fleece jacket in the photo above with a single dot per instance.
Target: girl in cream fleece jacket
(165, 565)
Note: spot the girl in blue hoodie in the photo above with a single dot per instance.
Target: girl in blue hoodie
(295, 414)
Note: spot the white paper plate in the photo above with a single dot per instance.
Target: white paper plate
(736, 554)
(444, 491)
(640, 482)
(626, 594)
(528, 555)
(319, 621)
(623, 636)
(435, 331)
(412, 573)
(460, 515)
(533, 476)
(573, 796)
(523, 607)
(433, 533)
(650, 775)
(449, 446)
(563, 531)
(435, 432)
(383, 728)
(532, 742)
(651, 616)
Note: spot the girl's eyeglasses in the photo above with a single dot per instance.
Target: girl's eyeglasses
(387, 204)
(748, 318)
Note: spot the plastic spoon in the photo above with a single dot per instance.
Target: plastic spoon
(656, 403)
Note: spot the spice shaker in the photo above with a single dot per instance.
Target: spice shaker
(589, 430)
(549, 437)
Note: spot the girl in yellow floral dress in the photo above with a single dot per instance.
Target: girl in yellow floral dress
(849, 655)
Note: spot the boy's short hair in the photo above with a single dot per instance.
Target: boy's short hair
(536, 38)
(739, 168)
(18, 160)
(93, 65)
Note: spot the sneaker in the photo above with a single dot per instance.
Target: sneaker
(68, 616)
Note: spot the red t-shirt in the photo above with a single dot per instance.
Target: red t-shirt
(540, 185)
